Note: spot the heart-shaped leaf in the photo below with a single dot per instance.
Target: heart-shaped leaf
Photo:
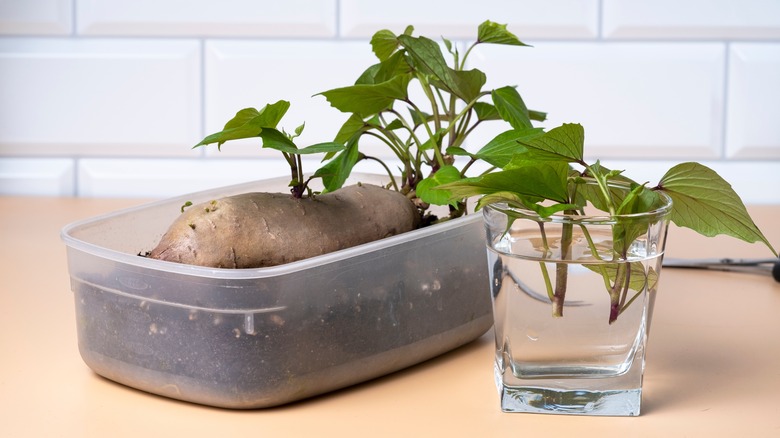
(706, 203)
(367, 99)
(335, 172)
(426, 188)
(384, 43)
(248, 123)
(428, 58)
(510, 107)
(500, 150)
(564, 143)
(494, 33)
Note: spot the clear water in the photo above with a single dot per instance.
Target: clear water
(578, 363)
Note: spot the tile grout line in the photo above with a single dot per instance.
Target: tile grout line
(76, 172)
(725, 101)
(202, 86)
(600, 21)
(338, 20)
(73, 18)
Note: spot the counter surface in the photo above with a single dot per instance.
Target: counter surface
(713, 362)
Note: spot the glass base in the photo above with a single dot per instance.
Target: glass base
(624, 403)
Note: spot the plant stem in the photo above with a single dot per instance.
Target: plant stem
(466, 167)
(466, 55)
(295, 173)
(562, 271)
(619, 291)
(387, 169)
(398, 152)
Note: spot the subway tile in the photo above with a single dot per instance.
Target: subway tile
(552, 19)
(37, 177)
(635, 100)
(752, 129)
(162, 178)
(241, 74)
(36, 17)
(99, 96)
(257, 18)
(681, 19)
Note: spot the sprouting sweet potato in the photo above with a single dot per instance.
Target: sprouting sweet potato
(254, 230)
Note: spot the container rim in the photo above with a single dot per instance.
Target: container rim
(248, 273)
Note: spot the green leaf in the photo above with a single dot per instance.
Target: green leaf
(368, 99)
(241, 118)
(706, 203)
(426, 188)
(508, 198)
(458, 151)
(645, 200)
(494, 33)
(427, 55)
(335, 172)
(368, 77)
(538, 116)
(639, 278)
(319, 148)
(486, 111)
(534, 182)
(428, 59)
(510, 107)
(275, 139)
(592, 192)
(452, 49)
(299, 129)
(393, 66)
(639, 200)
(500, 150)
(564, 143)
(513, 200)
(396, 64)
(272, 114)
(248, 123)
(419, 117)
(434, 140)
(394, 124)
(352, 126)
(469, 83)
(384, 43)
(269, 116)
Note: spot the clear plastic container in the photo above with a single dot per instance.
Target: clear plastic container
(254, 338)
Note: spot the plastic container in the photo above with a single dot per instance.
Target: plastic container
(253, 338)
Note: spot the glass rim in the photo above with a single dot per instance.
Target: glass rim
(600, 217)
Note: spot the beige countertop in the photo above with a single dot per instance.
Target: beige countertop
(713, 360)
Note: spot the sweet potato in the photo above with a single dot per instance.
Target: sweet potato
(265, 229)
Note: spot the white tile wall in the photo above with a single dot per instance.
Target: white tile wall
(107, 97)
(675, 19)
(256, 18)
(36, 17)
(636, 100)
(754, 94)
(557, 19)
(99, 96)
(241, 74)
(37, 176)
